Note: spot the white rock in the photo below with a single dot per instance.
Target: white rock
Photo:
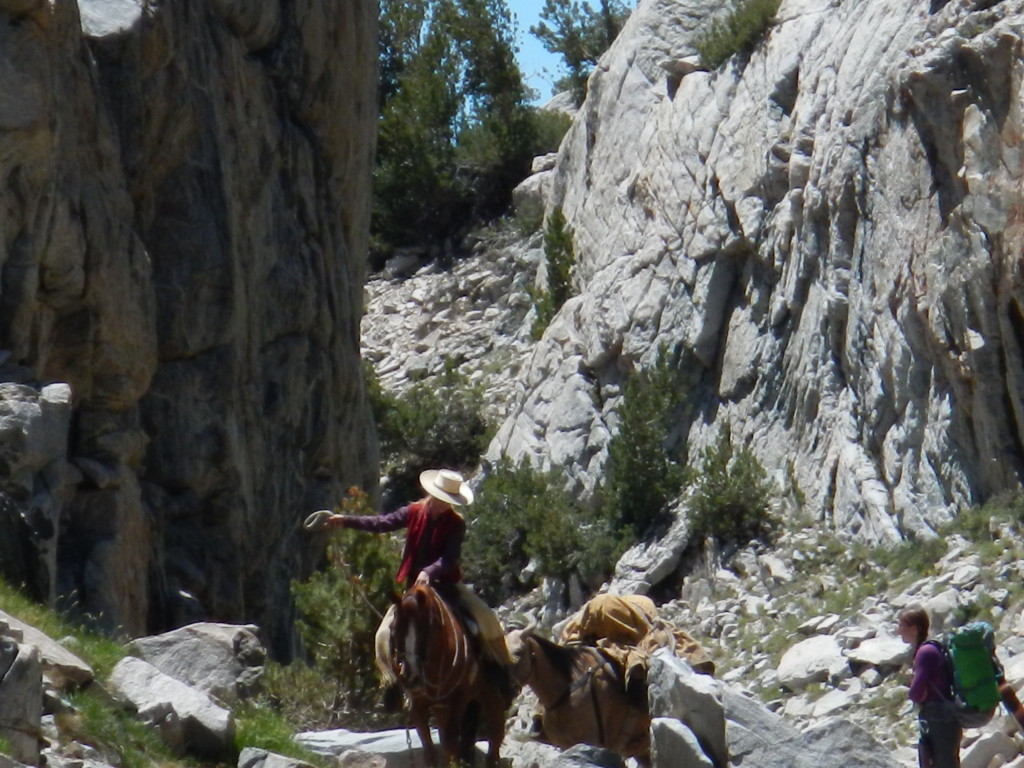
(883, 651)
(808, 661)
(982, 752)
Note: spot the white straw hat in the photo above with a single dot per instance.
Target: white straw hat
(446, 485)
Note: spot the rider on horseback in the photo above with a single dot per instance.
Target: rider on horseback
(433, 547)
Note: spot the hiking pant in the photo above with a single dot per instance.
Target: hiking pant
(939, 745)
(488, 629)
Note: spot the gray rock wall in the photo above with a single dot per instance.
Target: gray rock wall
(183, 226)
(828, 232)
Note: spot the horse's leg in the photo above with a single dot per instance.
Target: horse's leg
(420, 717)
(468, 729)
(493, 710)
(450, 728)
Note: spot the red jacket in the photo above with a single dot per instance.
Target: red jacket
(433, 544)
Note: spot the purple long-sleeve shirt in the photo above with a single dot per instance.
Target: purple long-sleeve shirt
(441, 562)
(931, 677)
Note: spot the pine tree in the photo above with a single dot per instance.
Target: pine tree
(580, 34)
(455, 132)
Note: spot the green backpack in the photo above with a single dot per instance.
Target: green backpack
(970, 653)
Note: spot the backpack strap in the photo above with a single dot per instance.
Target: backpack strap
(950, 674)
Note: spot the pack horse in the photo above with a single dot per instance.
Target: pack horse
(582, 695)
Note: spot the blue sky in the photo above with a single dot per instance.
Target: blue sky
(532, 57)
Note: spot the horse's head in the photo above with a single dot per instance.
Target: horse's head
(409, 633)
(520, 644)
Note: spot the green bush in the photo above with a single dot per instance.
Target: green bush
(740, 30)
(732, 495)
(455, 132)
(434, 424)
(522, 516)
(560, 259)
(550, 128)
(642, 476)
(339, 610)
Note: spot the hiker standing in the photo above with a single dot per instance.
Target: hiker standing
(931, 689)
(433, 547)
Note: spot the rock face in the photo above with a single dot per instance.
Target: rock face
(826, 233)
(183, 228)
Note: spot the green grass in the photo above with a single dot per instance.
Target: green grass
(740, 30)
(115, 733)
(98, 651)
(262, 727)
(93, 719)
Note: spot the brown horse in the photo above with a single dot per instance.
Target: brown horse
(583, 696)
(438, 664)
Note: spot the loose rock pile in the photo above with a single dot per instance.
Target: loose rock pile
(475, 316)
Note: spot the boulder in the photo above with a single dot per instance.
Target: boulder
(676, 691)
(840, 743)
(222, 660)
(987, 748)
(883, 651)
(21, 699)
(761, 739)
(810, 660)
(61, 668)
(399, 748)
(250, 757)
(587, 756)
(189, 720)
(672, 743)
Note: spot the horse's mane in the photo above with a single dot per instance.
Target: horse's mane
(566, 659)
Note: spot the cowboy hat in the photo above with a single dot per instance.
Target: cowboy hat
(446, 485)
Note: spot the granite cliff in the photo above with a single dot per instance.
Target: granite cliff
(183, 225)
(826, 233)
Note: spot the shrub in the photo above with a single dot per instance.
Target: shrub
(741, 29)
(642, 476)
(523, 516)
(434, 424)
(560, 259)
(339, 609)
(732, 495)
(912, 559)
(550, 128)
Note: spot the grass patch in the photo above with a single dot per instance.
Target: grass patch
(98, 651)
(741, 29)
(115, 733)
(262, 727)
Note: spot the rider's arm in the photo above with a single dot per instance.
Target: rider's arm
(392, 521)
